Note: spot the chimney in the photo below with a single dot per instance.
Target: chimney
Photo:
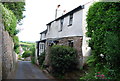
(64, 11)
(56, 11)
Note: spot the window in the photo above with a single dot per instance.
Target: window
(70, 43)
(41, 46)
(71, 19)
(61, 24)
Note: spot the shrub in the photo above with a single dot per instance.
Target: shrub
(16, 44)
(103, 25)
(32, 49)
(33, 60)
(63, 59)
(26, 54)
(41, 58)
(9, 20)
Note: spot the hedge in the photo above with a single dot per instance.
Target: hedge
(63, 59)
(103, 26)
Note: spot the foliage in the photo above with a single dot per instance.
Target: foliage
(10, 23)
(9, 20)
(103, 25)
(16, 44)
(17, 8)
(33, 60)
(27, 45)
(26, 54)
(41, 58)
(32, 49)
(63, 59)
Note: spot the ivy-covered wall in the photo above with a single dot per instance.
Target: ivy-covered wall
(103, 26)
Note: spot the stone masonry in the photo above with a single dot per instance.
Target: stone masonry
(7, 55)
(0, 51)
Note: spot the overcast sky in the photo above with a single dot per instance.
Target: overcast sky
(40, 12)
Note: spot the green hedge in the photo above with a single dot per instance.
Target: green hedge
(9, 20)
(103, 25)
(41, 58)
(63, 59)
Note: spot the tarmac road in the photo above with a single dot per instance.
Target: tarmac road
(26, 70)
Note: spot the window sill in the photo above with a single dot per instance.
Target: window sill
(59, 30)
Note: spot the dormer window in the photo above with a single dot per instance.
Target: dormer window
(70, 19)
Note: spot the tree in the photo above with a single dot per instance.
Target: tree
(103, 25)
(17, 8)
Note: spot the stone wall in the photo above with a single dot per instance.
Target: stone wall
(0, 51)
(7, 54)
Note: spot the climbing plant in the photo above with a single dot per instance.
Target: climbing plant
(103, 26)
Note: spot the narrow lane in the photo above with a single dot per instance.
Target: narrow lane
(26, 70)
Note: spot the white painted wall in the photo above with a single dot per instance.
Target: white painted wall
(85, 48)
(74, 30)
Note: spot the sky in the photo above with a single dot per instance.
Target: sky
(40, 12)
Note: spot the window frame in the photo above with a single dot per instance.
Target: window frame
(61, 24)
(70, 19)
(71, 43)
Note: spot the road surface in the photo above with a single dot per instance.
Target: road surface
(26, 70)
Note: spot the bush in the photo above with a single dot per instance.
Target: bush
(33, 60)
(103, 25)
(26, 54)
(41, 58)
(32, 49)
(16, 44)
(63, 59)
(9, 20)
